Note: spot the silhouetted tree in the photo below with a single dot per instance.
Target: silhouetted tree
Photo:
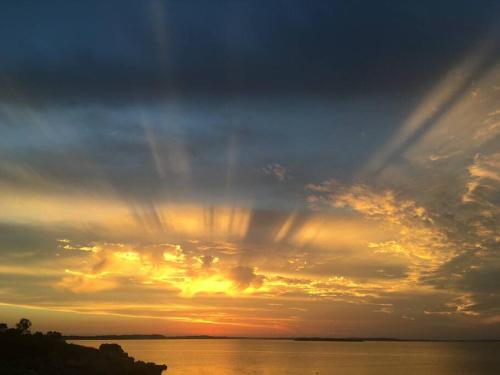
(3, 327)
(54, 335)
(23, 327)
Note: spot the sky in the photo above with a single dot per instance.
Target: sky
(258, 168)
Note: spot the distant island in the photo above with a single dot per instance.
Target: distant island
(207, 337)
(24, 353)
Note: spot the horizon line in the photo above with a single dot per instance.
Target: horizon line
(290, 338)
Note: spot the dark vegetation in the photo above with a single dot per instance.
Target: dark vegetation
(24, 353)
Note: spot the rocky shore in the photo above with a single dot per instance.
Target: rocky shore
(23, 353)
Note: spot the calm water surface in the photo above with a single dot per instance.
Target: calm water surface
(223, 357)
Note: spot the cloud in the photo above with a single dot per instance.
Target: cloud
(208, 260)
(484, 179)
(245, 277)
(86, 283)
(361, 198)
(66, 244)
(277, 171)
(108, 265)
(448, 245)
(415, 234)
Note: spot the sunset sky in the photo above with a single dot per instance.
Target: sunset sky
(258, 168)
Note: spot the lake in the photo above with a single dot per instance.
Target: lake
(269, 357)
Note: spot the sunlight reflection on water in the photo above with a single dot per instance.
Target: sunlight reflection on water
(269, 357)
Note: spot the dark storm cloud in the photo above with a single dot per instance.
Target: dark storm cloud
(76, 50)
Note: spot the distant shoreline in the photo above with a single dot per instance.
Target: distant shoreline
(326, 339)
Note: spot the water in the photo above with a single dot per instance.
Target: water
(266, 357)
